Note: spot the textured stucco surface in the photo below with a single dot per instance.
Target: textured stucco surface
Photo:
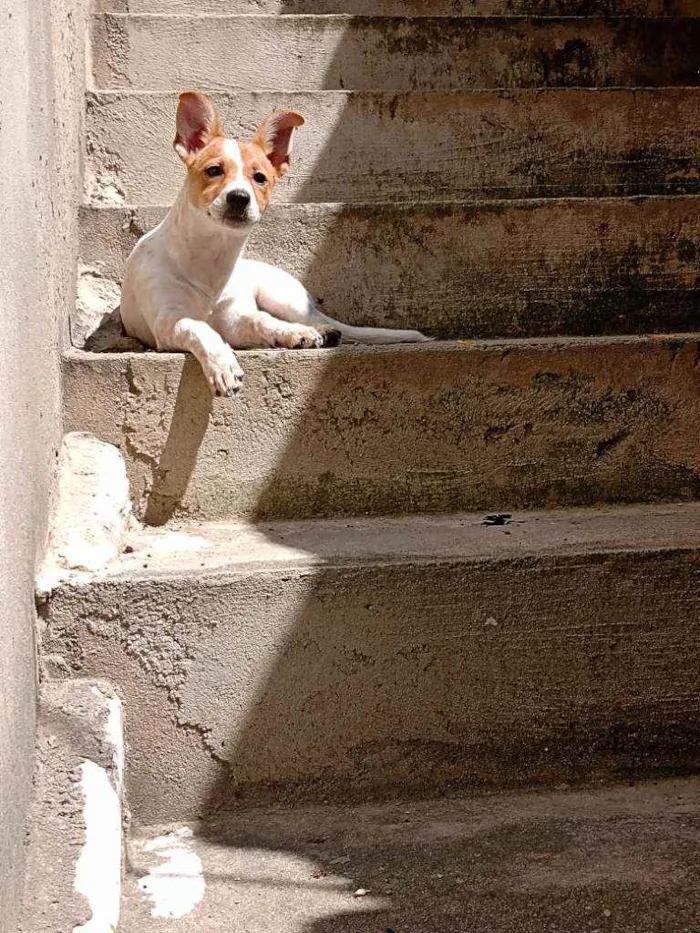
(337, 662)
(438, 428)
(41, 82)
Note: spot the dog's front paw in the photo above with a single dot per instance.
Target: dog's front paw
(299, 337)
(223, 373)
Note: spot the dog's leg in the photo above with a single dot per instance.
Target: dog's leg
(255, 329)
(218, 361)
(244, 326)
(285, 297)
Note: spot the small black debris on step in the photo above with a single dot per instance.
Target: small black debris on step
(504, 518)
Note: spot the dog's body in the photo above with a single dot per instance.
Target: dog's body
(187, 285)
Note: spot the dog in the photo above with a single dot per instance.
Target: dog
(187, 286)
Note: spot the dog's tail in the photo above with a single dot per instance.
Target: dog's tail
(368, 335)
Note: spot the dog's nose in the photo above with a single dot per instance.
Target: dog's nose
(238, 200)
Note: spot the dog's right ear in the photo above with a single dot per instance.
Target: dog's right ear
(197, 124)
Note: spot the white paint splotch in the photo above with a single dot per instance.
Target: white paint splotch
(175, 882)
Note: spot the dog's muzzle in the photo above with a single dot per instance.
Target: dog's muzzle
(237, 205)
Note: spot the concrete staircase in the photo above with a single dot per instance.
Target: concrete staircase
(321, 615)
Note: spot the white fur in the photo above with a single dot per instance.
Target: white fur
(188, 287)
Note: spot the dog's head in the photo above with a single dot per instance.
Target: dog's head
(228, 180)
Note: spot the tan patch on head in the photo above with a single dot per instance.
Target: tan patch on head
(260, 173)
(215, 162)
(203, 184)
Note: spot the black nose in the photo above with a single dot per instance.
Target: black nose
(238, 201)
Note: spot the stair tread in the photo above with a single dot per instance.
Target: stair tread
(489, 269)
(336, 51)
(381, 146)
(439, 427)
(204, 547)
(567, 860)
(472, 8)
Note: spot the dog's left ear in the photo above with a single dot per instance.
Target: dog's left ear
(197, 124)
(274, 136)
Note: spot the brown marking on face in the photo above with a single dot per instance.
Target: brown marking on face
(202, 187)
(260, 173)
(201, 144)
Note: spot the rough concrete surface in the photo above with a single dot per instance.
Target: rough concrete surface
(168, 52)
(79, 723)
(499, 269)
(91, 513)
(404, 656)
(527, 424)
(620, 859)
(644, 8)
(371, 146)
(41, 94)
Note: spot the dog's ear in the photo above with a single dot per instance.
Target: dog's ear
(274, 136)
(197, 124)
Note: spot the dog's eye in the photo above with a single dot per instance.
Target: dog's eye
(215, 170)
(259, 178)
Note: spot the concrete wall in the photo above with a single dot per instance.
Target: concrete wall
(41, 85)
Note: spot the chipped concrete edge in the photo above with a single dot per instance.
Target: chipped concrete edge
(92, 512)
(76, 837)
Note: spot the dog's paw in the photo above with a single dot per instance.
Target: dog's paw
(299, 337)
(224, 374)
(331, 337)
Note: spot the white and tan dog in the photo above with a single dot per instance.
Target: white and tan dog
(187, 285)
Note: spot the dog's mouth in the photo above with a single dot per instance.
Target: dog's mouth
(236, 220)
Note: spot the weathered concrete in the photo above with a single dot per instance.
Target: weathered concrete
(347, 659)
(91, 513)
(369, 146)
(41, 94)
(642, 8)
(74, 863)
(618, 859)
(530, 268)
(290, 53)
(432, 428)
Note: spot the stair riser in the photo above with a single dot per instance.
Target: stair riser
(396, 431)
(312, 53)
(341, 682)
(493, 270)
(387, 147)
(644, 8)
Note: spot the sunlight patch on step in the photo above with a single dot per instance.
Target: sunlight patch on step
(253, 888)
(175, 883)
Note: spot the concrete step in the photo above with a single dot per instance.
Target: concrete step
(517, 269)
(297, 53)
(368, 146)
(350, 659)
(602, 859)
(485, 8)
(436, 428)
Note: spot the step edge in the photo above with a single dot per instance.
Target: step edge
(183, 552)
(74, 355)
